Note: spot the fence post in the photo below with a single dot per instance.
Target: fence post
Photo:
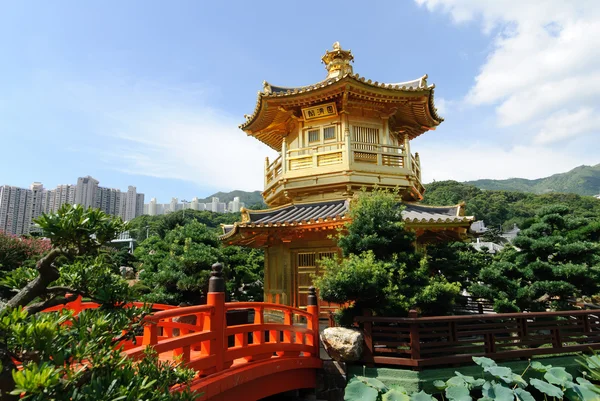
(150, 333)
(313, 323)
(415, 341)
(556, 338)
(216, 322)
(368, 355)
(586, 323)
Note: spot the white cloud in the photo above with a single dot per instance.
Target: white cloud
(565, 125)
(529, 105)
(477, 161)
(171, 133)
(199, 146)
(545, 59)
(441, 105)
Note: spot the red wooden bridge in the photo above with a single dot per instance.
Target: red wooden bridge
(242, 362)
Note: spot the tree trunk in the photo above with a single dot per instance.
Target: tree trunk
(47, 274)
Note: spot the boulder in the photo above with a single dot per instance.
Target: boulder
(187, 319)
(127, 272)
(342, 344)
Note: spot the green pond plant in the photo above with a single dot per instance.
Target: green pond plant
(498, 383)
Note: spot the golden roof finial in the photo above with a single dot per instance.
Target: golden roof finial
(337, 61)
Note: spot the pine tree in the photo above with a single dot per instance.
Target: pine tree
(555, 259)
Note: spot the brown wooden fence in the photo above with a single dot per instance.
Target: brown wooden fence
(446, 340)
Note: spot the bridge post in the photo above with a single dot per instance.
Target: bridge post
(76, 305)
(313, 323)
(216, 322)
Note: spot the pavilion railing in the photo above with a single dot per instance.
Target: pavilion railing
(272, 170)
(327, 154)
(445, 340)
(320, 155)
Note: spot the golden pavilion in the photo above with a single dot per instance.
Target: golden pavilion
(335, 137)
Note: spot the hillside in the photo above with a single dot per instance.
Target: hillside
(582, 180)
(505, 208)
(249, 198)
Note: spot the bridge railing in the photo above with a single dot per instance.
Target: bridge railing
(199, 335)
(261, 340)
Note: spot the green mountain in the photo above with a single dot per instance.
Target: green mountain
(506, 208)
(582, 180)
(249, 198)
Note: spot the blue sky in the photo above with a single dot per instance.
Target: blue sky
(150, 93)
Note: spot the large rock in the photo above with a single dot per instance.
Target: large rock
(127, 272)
(187, 319)
(343, 344)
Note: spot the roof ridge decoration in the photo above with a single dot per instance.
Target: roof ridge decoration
(422, 205)
(337, 61)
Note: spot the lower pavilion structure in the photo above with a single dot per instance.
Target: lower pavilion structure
(334, 138)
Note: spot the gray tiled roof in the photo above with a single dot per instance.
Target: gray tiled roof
(299, 214)
(306, 212)
(418, 213)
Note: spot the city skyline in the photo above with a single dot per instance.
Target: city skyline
(19, 207)
(159, 200)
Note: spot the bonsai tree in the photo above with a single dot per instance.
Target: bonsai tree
(175, 269)
(555, 259)
(67, 357)
(380, 268)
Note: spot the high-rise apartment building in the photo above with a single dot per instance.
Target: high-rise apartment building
(216, 206)
(139, 204)
(108, 200)
(59, 196)
(130, 203)
(48, 195)
(37, 203)
(152, 207)
(85, 192)
(174, 205)
(235, 205)
(102, 199)
(15, 209)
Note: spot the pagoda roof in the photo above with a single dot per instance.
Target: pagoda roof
(307, 214)
(410, 102)
(414, 85)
